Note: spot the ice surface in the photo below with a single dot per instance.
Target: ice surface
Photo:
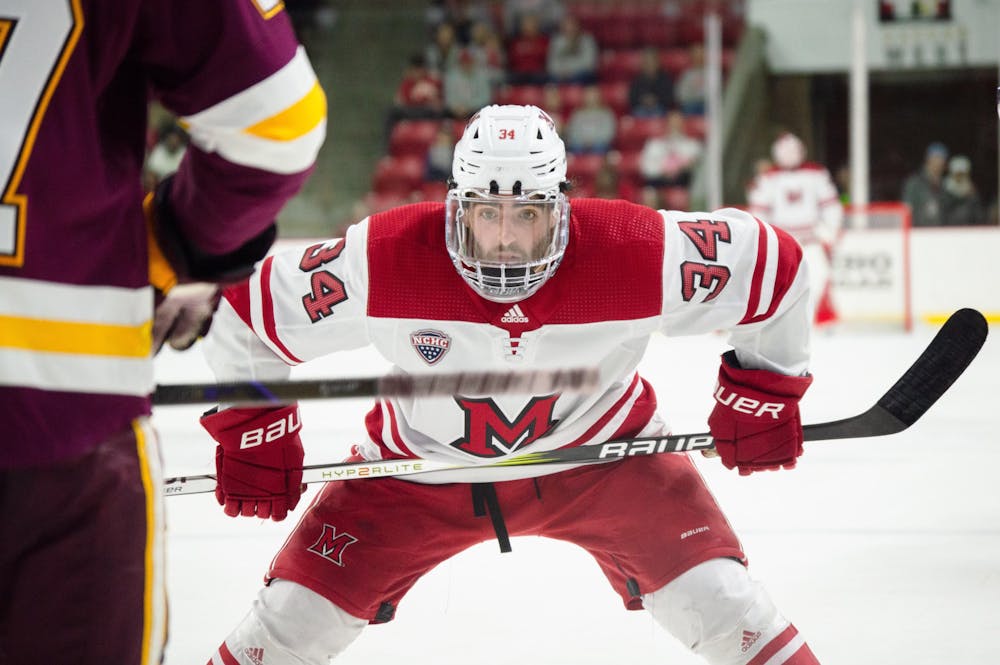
(879, 550)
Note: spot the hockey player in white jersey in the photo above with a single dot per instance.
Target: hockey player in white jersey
(800, 197)
(507, 274)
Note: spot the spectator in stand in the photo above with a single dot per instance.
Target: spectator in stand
(591, 128)
(466, 86)
(488, 49)
(443, 49)
(439, 154)
(463, 15)
(667, 159)
(691, 83)
(923, 191)
(572, 56)
(547, 12)
(165, 156)
(651, 92)
(527, 53)
(962, 206)
(419, 95)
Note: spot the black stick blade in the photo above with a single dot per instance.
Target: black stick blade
(942, 362)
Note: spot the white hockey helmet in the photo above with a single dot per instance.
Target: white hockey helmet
(788, 151)
(509, 175)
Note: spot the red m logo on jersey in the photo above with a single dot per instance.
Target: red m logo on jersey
(488, 433)
(331, 545)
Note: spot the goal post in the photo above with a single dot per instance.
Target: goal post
(870, 281)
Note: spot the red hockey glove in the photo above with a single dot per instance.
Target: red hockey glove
(756, 421)
(258, 461)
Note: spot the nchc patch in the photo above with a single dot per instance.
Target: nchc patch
(430, 344)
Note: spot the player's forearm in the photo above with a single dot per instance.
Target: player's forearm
(235, 353)
(219, 205)
(781, 343)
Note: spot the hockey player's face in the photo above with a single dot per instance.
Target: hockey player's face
(510, 232)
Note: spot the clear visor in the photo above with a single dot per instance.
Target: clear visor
(506, 245)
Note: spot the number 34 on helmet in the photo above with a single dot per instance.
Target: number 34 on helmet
(507, 215)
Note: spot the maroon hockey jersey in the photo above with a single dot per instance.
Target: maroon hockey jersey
(75, 301)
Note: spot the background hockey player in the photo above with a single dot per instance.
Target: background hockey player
(81, 526)
(506, 274)
(800, 197)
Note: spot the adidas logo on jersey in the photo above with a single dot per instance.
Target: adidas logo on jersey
(749, 639)
(255, 654)
(514, 315)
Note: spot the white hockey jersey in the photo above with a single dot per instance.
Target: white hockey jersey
(628, 272)
(802, 201)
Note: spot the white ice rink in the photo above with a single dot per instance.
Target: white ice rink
(881, 550)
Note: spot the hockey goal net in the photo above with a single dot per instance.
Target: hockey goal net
(870, 283)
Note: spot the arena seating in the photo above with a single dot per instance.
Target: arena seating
(622, 29)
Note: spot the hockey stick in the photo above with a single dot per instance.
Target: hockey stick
(927, 379)
(262, 393)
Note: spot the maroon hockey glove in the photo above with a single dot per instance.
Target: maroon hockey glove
(258, 461)
(756, 421)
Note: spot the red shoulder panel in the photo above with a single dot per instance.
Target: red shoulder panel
(410, 274)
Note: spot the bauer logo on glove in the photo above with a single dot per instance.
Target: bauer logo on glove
(756, 421)
(273, 432)
(747, 404)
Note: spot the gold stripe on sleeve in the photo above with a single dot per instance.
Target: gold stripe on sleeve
(297, 120)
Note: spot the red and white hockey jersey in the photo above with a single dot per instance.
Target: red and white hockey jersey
(802, 201)
(628, 272)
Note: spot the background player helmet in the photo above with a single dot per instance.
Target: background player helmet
(511, 164)
(788, 151)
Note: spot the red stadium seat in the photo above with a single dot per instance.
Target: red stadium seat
(571, 96)
(628, 168)
(695, 126)
(582, 169)
(520, 94)
(675, 61)
(398, 175)
(691, 28)
(412, 137)
(656, 31)
(458, 128)
(620, 65)
(614, 33)
(615, 95)
(433, 190)
(633, 132)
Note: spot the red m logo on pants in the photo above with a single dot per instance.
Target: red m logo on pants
(331, 545)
